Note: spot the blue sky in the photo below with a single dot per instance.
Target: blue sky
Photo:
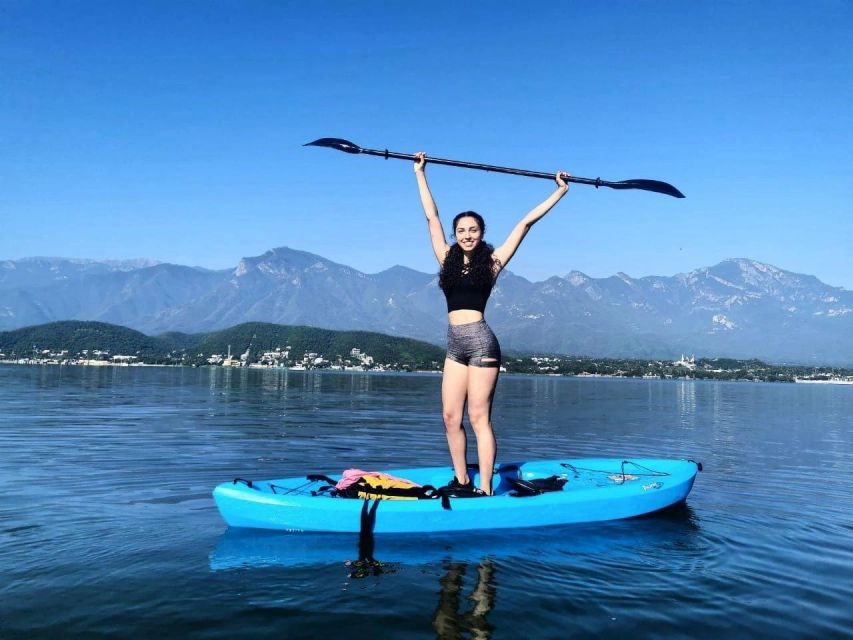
(174, 131)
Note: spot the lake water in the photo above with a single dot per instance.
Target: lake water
(108, 529)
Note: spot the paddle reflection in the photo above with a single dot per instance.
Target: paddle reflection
(453, 618)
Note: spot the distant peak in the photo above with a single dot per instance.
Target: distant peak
(750, 270)
(399, 269)
(747, 263)
(283, 254)
(286, 252)
(577, 278)
(287, 262)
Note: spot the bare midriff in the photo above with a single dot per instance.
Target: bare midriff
(464, 316)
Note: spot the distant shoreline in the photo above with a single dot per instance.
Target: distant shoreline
(301, 348)
(837, 380)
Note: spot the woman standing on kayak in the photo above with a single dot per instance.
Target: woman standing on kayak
(469, 269)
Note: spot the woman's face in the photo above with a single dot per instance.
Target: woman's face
(468, 233)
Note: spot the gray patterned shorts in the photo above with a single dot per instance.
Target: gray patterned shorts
(471, 343)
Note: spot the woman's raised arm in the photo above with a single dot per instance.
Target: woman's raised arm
(504, 253)
(436, 233)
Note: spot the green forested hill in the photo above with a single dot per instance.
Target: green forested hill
(177, 341)
(77, 337)
(262, 336)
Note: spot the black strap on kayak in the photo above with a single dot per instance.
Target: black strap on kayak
(301, 489)
(573, 468)
(248, 483)
(463, 492)
(311, 479)
(329, 487)
(525, 488)
(319, 477)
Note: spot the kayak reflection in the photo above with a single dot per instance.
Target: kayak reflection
(567, 545)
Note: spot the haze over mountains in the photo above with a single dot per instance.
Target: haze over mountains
(738, 308)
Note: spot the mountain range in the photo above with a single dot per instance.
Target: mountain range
(738, 308)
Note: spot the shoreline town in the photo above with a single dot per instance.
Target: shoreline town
(358, 361)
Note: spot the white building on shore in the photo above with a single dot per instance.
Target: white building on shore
(687, 363)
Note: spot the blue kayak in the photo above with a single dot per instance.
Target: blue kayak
(595, 490)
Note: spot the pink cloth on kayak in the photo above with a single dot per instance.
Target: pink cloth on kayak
(351, 476)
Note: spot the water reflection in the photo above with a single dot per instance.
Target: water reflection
(769, 555)
(450, 620)
(467, 573)
(228, 378)
(686, 395)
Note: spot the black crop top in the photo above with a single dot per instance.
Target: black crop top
(466, 295)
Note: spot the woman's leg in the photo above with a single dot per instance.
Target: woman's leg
(454, 388)
(481, 390)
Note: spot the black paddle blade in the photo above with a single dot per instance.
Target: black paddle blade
(647, 185)
(335, 143)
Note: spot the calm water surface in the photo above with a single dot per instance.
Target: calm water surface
(107, 527)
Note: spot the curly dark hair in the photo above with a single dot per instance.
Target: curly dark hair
(481, 265)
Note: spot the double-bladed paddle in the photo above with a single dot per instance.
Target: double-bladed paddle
(646, 185)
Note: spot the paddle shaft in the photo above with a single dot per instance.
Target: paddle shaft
(482, 167)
